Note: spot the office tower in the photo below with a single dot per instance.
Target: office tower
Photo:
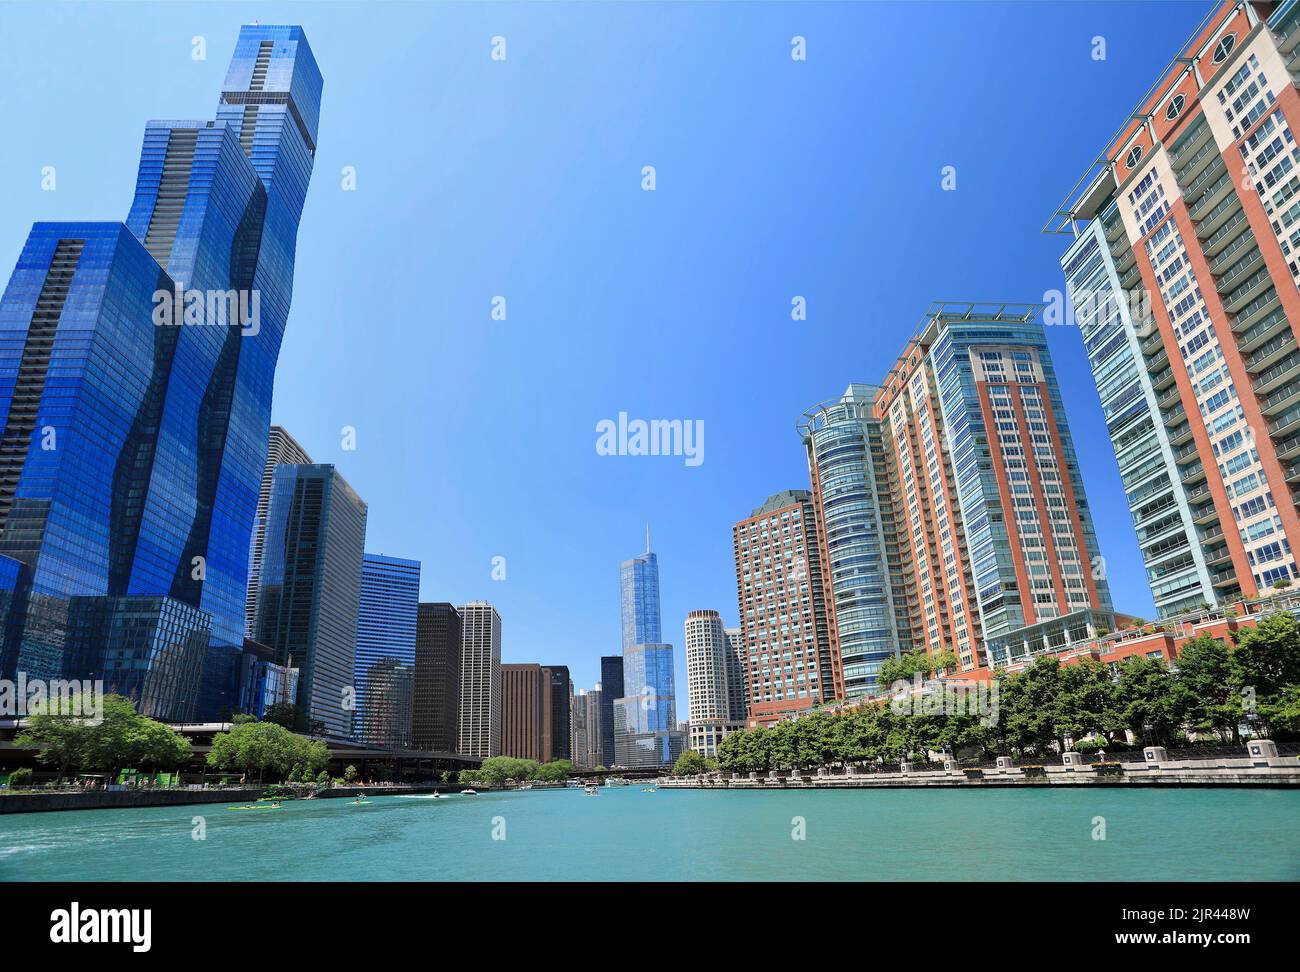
(611, 688)
(709, 654)
(383, 672)
(435, 721)
(281, 448)
(262, 681)
(1183, 276)
(310, 587)
(996, 530)
(851, 501)
(645, 717)
(588, 751)
(557, 701)
(521, 711)
(480, 681)
(639, 590)
(780, 595)
(535, 717)
(128, 485)
(737, 675)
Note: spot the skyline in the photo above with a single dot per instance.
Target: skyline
(455, 516)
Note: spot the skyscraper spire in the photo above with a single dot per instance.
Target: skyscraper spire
(647, 537)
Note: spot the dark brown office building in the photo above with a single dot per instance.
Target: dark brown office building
(436, 713)
(557, 742)
(535, 712)
(521, 711)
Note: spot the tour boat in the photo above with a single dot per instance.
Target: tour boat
(615, 781)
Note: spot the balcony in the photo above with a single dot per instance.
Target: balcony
(1246, 286)
(1217, 192)
(1203, 515)
(1163, 379)
(1284, 372)
(1223, 578)
(1132, 277)
(1151, 342)
(1193, 474)
(1178, 434)
(1197, 492)
(1218, 556)
(1284, 427)
(1228, 255)
(1206, 176)
(1189, 174)
(1280, 400)
(1252, 314)
(1184, 452)
(1225, 234)
(1123, 256)
(1292, 472)
(1169, 398)
(1288, 449)
(1240, 270)
(1195, 139)
(1288, 33)
(1214, 219)
(1269, 352)
(1213, 533)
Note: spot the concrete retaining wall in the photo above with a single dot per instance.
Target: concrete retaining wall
(1276, 771)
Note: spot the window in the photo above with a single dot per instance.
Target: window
(1134, 157)
(1175, 107)
(1224, 48)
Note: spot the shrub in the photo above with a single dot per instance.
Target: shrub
(20, 777)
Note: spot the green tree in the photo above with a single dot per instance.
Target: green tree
(555, 771)
(1028, 702)
(1267, 657)
(261, 748)
(1281, 712)
(287, 715)
(497, 769)
(121, 737)
(1082, 706)
(1204, 693)
(1144, 701)
(20, 777)
(690, 762)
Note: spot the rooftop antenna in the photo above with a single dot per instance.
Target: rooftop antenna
(647, 538)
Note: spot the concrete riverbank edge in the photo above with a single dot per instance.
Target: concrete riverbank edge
(41, 802)
(1277, 773)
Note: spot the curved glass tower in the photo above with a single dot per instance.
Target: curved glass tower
(850, 497)
(131, 479)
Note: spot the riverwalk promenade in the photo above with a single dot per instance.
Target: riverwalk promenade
(1258, 764)
(40, 801)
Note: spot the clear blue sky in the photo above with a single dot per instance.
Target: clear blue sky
(522, 178)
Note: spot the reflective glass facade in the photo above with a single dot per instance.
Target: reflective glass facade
(639, 590)
(645, 718)
(846, 464)
(136, 365)
(390, 595)
(310, 587)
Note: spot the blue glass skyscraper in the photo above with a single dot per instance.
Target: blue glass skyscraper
(645, 719)
(136, 367)
(644, 712)
(384, 665)
(639, 598)
(309, 588)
